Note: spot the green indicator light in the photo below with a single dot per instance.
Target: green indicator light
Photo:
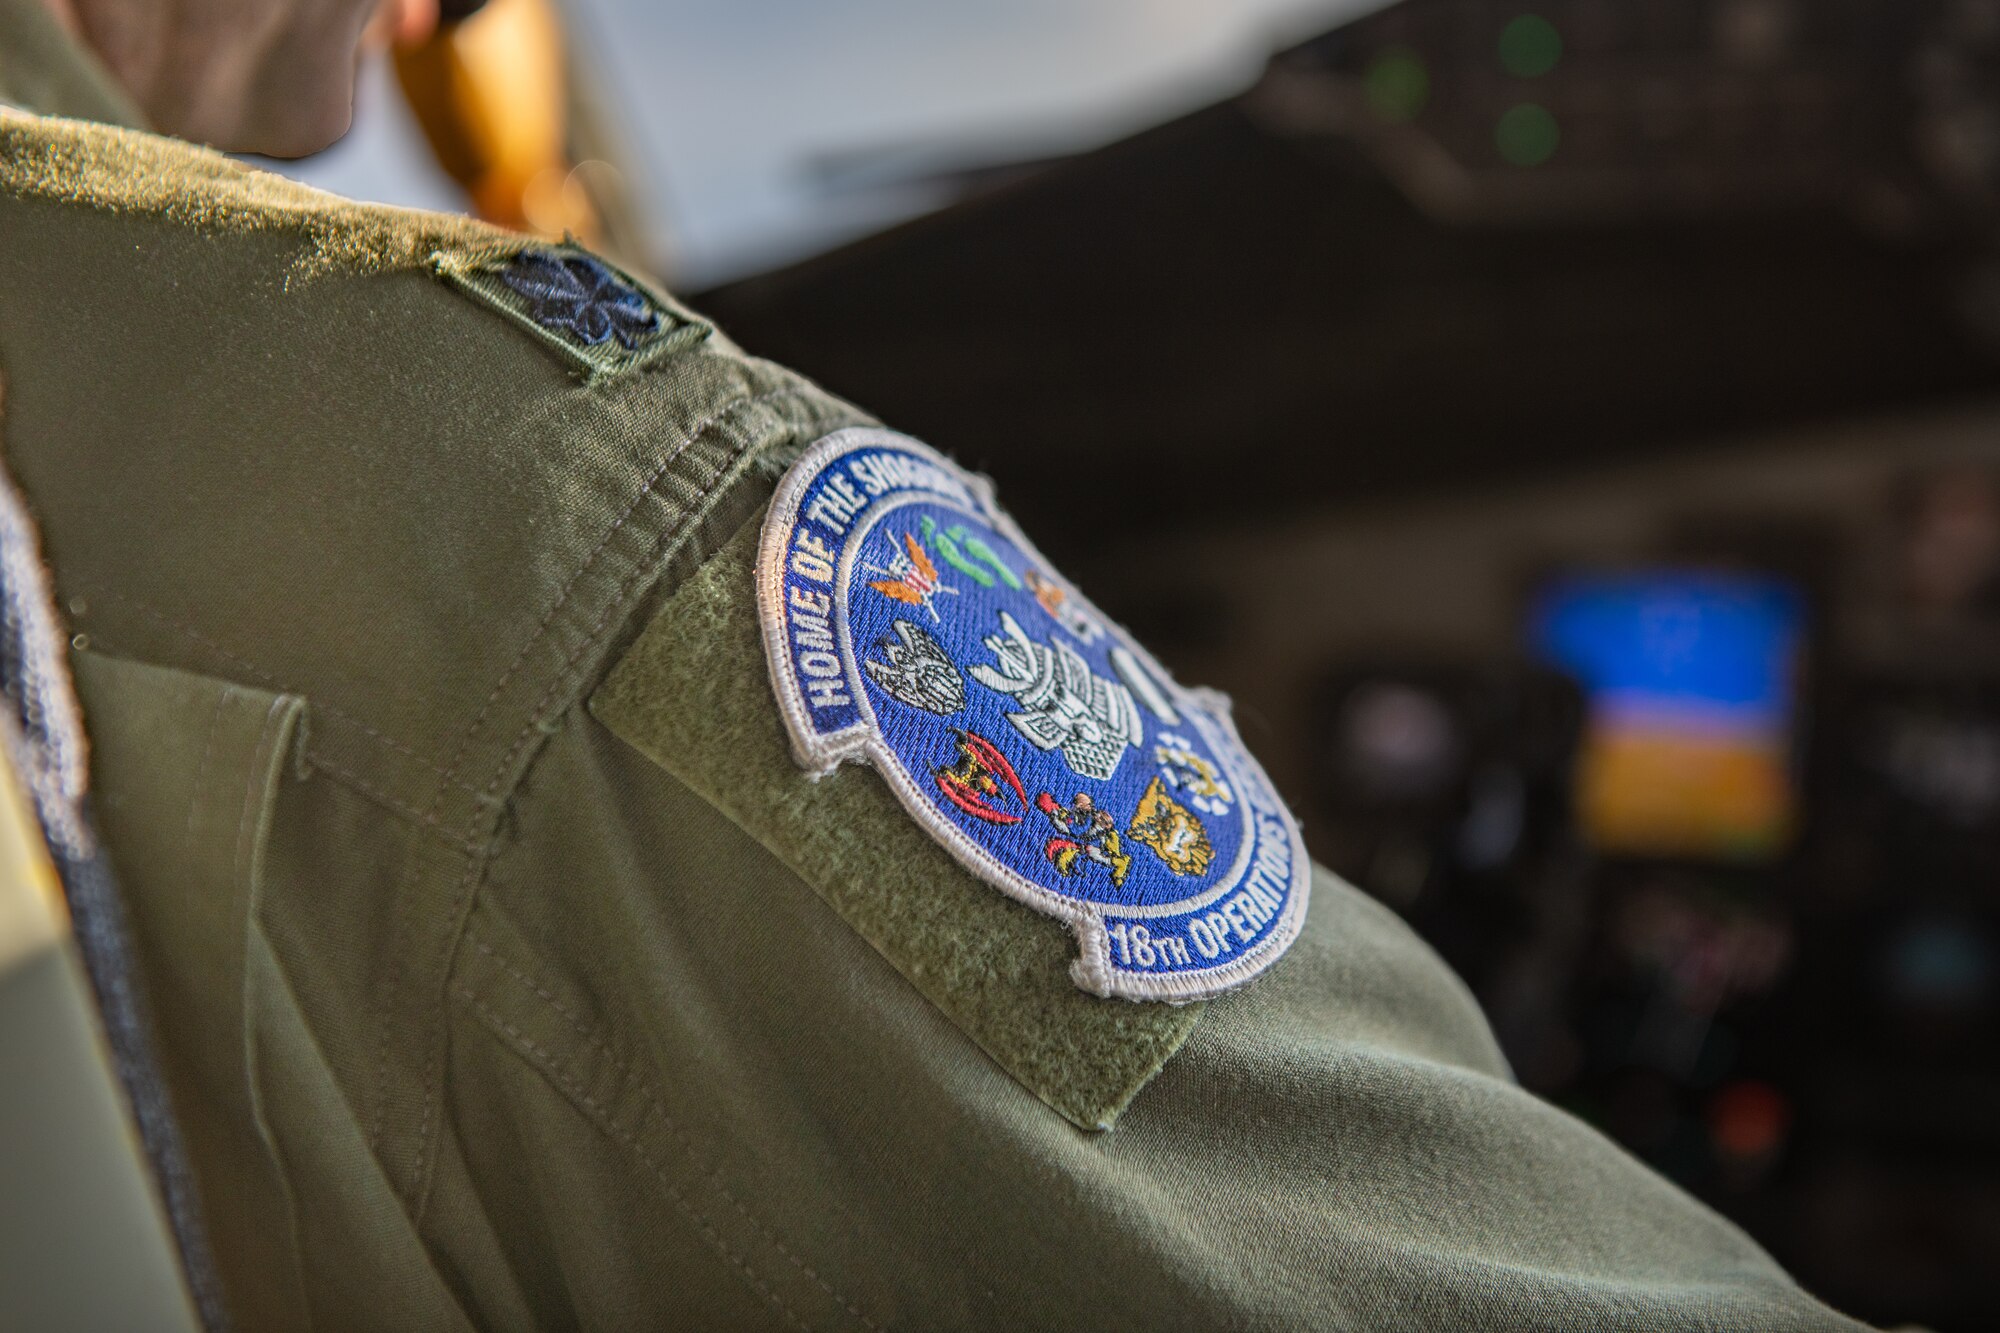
(1530, 45)
(1526, 135)
(1397, 85)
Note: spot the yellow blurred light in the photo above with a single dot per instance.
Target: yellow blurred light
(491, 96)
(1664, 792)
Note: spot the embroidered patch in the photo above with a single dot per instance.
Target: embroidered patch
(594, 315)
(910, 625)
(578, 296)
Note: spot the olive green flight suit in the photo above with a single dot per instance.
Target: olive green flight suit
(507, 971)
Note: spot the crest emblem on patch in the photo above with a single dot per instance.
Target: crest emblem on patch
(911, 626)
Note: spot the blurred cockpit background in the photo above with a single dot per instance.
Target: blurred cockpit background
(1570, 430)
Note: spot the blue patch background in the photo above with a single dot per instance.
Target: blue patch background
(1254, 828)
(924, 741)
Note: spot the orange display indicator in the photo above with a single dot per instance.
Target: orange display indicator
(1691, 682)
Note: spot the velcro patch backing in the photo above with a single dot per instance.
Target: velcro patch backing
(693, 695)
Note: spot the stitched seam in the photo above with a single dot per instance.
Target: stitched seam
(551, 1068)
(468, 883)
(346, 778)
(244, 664)
(562, 599)
(630, 1078)
(616, 605)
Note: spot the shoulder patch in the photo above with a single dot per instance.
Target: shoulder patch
(596, 316)
(909, 625)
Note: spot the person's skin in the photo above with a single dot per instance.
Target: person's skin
(258, 76)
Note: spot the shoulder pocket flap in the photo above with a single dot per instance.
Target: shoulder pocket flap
(185, 772)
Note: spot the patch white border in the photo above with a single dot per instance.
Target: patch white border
(862, 742)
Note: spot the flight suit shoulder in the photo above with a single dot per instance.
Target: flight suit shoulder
(149, 180)
(367, 455)
(609, 886)
(399, 478)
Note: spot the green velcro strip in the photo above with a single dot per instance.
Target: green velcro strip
(693, 694)
(483, 272)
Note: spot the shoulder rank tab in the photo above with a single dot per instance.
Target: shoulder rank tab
(597, 317)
